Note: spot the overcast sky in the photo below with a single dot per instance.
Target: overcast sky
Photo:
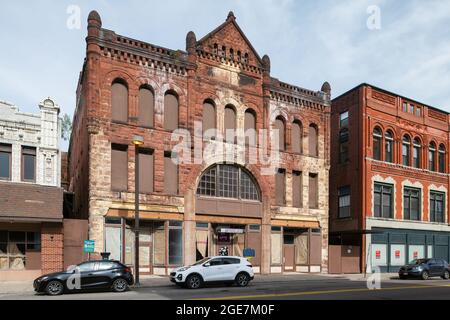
(309, 42)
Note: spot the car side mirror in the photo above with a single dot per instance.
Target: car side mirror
(207, 265)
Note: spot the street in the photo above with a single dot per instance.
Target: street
(281, 287)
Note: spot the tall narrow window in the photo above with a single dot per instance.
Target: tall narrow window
(297, 137)
(280, 187)
(279, 125)
(250, 128)
(406, 148)
(344, 202)
(377, 138)
(417, 152)
(146, 169)
(175, 243)
(297, 189)
(171, 112)
(411, 204)
(343, 146)
(230, 124)
(437, 207)
(405, 107)
(383, 200)
(170, 174)
(146, 107)
(209, 118)
(119, 167)
(343, 119)
(119, 101)
(389, 147)
(28, 164)
(442, 158)
(432, 157)
(313, 191)
(5, 161)
(313, 141)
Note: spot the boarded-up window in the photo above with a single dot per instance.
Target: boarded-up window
(119, 167)
(313, 141)
(313, 191)
(301, 249)
(170, 174)
(279, 125)
(146, 107)
(230, 124)
(297, 187)
(170, 112)
(250, 128)
(297, 137)
(159, 244)
(275, 245)
(280, 187)
(146, 171)
(209, 117)
(119, 102)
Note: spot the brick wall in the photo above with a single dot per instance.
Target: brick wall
(52, 241)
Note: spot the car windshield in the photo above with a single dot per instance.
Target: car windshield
(419, 261)
(200, 261)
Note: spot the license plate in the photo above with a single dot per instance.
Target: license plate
(405, 273)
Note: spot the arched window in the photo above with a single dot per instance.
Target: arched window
(239, 56)
(231, 54)
(389, 146)
(230, 123)
(228, 181)
(209, 116)
(417, 153)
(171, 111)
(377, 142)
(442, 158)
(280, 126)
(146, 107)
(250, 127)
(246, 58)
(432, 157)
(297, 137)
(406, 148)
(119, 101)
(216, 48)
(313, 140)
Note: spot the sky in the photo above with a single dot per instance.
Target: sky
(401, 46)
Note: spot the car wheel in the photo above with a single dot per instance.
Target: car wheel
(194, 281)
(242, 279)
(446, 275)
(120, 285)
(54, 288)
(425, 275)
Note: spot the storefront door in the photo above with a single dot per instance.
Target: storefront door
(289, 253)
(145, 250)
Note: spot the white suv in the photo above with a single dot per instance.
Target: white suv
(215, 269)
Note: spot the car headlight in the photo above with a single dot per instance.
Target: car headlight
(183, 269)
(418, 268)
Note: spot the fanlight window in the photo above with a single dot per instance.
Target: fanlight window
(228, 181)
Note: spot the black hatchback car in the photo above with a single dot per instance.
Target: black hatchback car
(90, 275)
(425, 268)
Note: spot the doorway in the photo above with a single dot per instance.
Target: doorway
(289, 252)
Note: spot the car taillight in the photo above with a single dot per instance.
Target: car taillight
(127, 270)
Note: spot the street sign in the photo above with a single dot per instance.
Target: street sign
(89, 246)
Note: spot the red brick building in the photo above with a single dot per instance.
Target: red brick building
(192, 209)
(389, 181)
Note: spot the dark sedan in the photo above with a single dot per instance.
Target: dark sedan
(105, 274)
(425, 269)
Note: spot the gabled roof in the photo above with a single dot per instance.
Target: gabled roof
(231, 19)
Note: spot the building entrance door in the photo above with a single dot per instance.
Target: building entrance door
(145, 250)
(288, 253)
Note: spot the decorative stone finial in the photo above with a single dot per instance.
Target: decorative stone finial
(231, 16)
(94, 19)
(191, 42)
(266, 63)
(326, 88)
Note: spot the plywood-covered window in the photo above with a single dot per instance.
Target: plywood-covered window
(250, 127)
(171, 111)
(159, 244)
(313, 191)
(280, 126)
(146, 107)
(297, 137)
(209, 117)
(119, 101)
(230, 123)
(280, 187)
(28, 164)
(313, 140)
(119, 167)
(5, 161)
(146, 170)
(170, 174)
(297, 188)
(276, 240)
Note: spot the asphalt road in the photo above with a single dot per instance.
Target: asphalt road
(291, 287)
